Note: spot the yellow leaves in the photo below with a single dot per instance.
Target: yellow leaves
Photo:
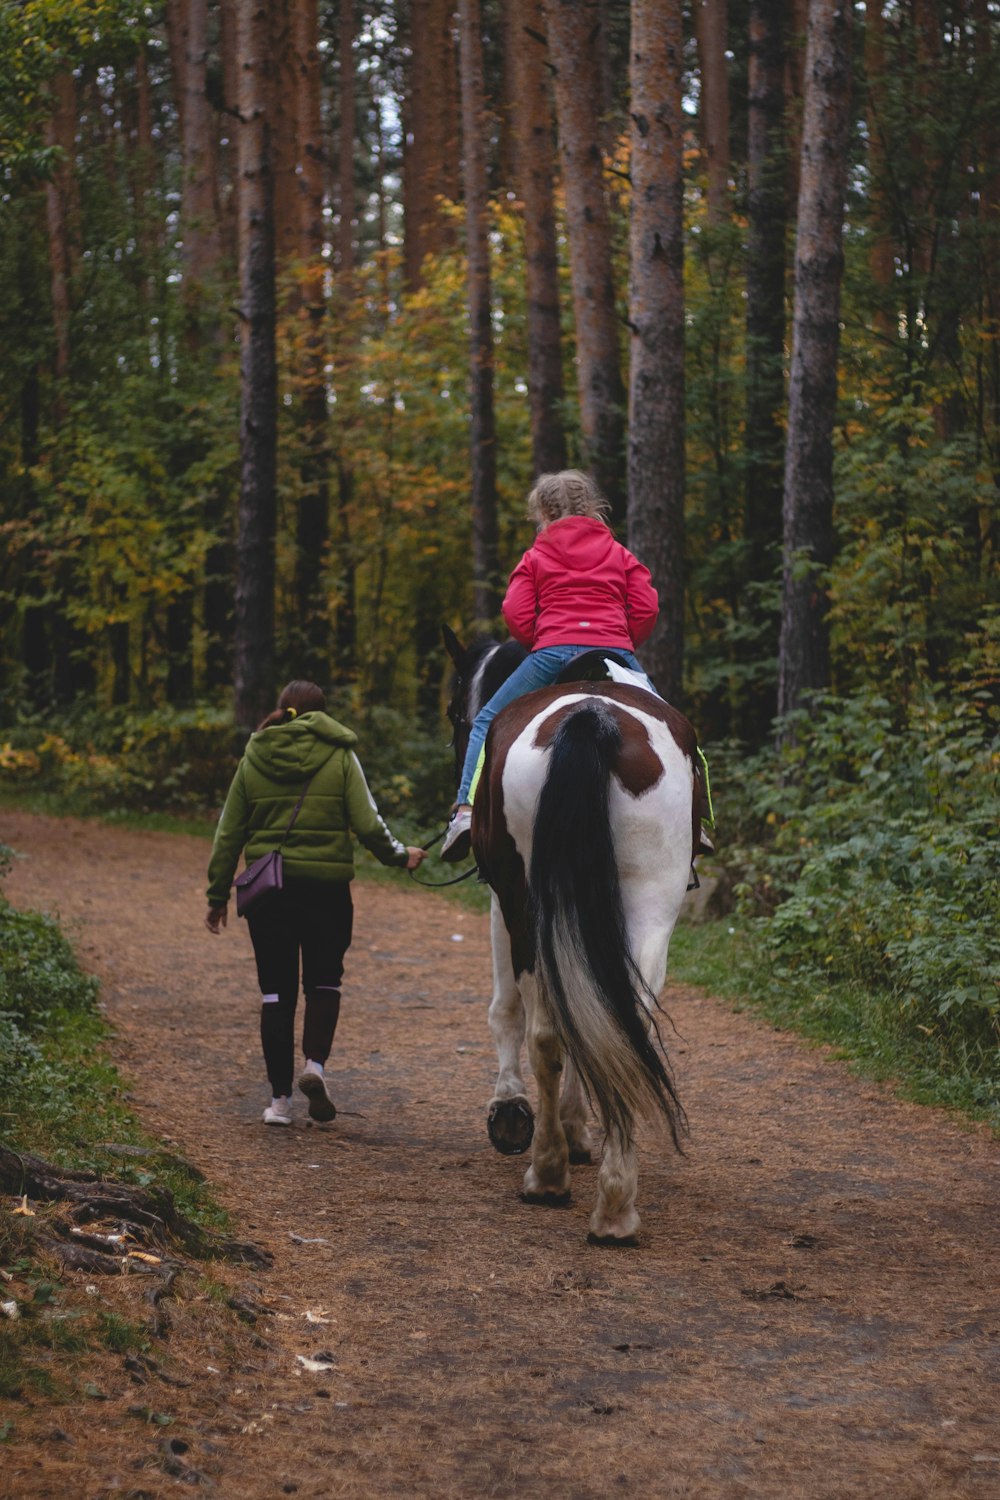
(18, 762)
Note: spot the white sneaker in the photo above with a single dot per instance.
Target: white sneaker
(458, 840)
(279, 1112)
(313, 1085)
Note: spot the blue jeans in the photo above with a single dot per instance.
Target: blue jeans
(537, 670)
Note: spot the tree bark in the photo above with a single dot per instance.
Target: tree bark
(710, 27)
(533, 137)
(254, 643)
(187, 34)
(285, 145)
(572, 30)
(881, 257)
(431, 138)
(345, 175)
(229, 149)
(804, 652)
(62, 215)
(312, 536)
(797, 19)
(656, 318)
(485, 561)
(765, 379)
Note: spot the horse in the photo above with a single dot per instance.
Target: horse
(586, 822)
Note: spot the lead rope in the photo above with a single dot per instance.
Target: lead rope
(439, 884)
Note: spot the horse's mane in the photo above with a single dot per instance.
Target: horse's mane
(503, 658)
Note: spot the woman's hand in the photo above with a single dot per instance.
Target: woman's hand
(414, 857)
(215, 918)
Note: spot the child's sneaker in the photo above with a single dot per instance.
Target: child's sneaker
(279, 1112)
(458, 840)
(313, 1085)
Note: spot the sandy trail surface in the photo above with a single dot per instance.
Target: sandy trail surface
(814, 1309)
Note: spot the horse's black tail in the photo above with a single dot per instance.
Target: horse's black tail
(588, 978)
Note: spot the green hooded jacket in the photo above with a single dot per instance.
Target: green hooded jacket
(275, 767)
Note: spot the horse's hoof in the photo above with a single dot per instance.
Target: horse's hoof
(620, 1229)
(545, 1199)
(613, 1241)
(580, 1156)
(511, 1125)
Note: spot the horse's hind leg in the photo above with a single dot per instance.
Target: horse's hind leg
(547, 1179)
(615, 1220)
(510, 1121)
(574, 1113)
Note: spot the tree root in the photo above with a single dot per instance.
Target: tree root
(160, 1322)
(147, 1216)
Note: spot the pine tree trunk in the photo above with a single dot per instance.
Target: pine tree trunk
(346, 620)
(656, 318)
(534, 166)
(345, 175)
(141, 168)
(573, 26)
(312, 536)
(485, 562)
(988, 356)
(797, 20)
(710, 27)
(60, 201)
(199, 171)
(765, 282)
(254, 643)
(803, 653)
(229, 153)
(284, 146)
(431, 135)
(881, 257)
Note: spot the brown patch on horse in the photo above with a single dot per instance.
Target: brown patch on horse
(638, 766)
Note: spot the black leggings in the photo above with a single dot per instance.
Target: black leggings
(316, 917)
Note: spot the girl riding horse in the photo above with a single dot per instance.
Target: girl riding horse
(575, 589)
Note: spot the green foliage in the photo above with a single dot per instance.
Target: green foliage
(62, 1097)
(867, 877)
(914, 572)
(121, 760)
(39, 975)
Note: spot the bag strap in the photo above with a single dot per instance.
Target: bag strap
(295, 812)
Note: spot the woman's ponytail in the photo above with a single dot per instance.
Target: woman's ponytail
(298, 697)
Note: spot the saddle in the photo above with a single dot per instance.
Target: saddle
(596, 665)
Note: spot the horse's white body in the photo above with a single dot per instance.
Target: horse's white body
(652, 842)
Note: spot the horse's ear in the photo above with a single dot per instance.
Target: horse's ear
(453, 645)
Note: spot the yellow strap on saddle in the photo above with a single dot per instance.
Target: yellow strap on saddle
(710, 820)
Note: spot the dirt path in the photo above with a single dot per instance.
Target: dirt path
(814, 1310)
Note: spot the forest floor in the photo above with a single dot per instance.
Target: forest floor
(813, 1310)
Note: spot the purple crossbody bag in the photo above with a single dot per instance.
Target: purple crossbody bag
(260, 882)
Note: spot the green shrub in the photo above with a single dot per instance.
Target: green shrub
(867, 877)
(183, 761)
(38, 971)
(102, 762)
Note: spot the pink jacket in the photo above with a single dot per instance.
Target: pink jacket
(578, 586)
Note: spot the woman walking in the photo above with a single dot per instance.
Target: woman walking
(299, 752)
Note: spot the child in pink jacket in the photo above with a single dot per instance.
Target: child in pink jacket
(575, 589)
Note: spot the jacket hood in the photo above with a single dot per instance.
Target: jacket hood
(578, 543)
(295, 751)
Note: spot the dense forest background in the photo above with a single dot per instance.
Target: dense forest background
(296, 296)
(396, 137)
